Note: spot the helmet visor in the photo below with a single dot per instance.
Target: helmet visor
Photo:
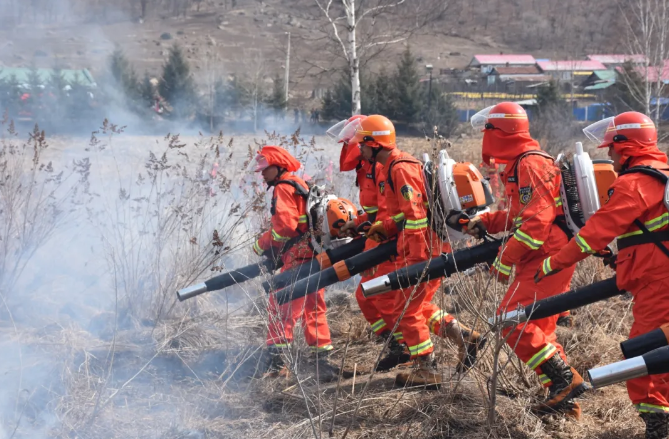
(598, 131)
(479, 120)
(334, 130)
(259, 163)
(349, 130)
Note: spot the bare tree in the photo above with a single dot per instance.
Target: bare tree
(647, 32)
(359, 30)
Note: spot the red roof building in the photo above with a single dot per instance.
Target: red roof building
(613, 60)
(488, 62)
(566, 70)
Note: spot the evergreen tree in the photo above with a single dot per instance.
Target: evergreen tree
(36, 85)
(146, 92)
(177, 85)
(336, 105)
(123, 75)
(378, 95)
(233, 96)
(10, 95)
(407, 102)
(277, 100)
(442, 112)
(79, 101)
(554, 123)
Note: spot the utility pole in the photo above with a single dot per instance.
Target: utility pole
(287, 72)
(428, 67)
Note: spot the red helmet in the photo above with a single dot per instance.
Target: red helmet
(375, 129)
(506, 116)
(626, 127)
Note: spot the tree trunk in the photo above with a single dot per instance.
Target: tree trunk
(353, 60)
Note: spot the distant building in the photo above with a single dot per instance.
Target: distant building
(486, 63)
(22, 75)
(503, 74)
(617, 60)
(652, 73)
(599, 80)
(569, 70)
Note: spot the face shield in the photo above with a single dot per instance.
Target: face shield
(601, 132)
(334, 130)
(258, 164)
(480, 119)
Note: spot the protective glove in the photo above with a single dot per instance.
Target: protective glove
(377, 232)
(348, 230)
(500, 271)
(459, 220)
(544, 271)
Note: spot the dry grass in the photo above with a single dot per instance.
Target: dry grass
(193, 373)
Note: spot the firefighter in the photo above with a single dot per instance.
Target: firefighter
(378, 310)
(532, 189)
(635, 213)
(406, 203)
(289, 240)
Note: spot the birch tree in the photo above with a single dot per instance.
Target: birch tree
(647, 24)
(360, 29)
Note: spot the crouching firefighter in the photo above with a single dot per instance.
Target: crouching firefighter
(288, 239)
(637, 214)
(406, 201)
(379, 311)
(532, 189)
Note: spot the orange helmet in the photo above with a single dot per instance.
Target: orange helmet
(506, 116)
(625, 127)
(338, 211)
(275, 156)
(375, 129)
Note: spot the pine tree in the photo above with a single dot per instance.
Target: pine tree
(123, 75)
(442, 112)
(277, 100)
(407, 102)
(57, 83)
(35, 104)
(79, 104)
(177, 85)
(232, 96)
(146, 92)
(379, 95)
(337, 102)
(10, 95)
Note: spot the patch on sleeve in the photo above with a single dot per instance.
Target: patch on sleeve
(610, 192)
(525, 194)
(382, 187)
(407, 192)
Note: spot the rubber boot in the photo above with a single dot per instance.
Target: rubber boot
(566, 384)
(397, 354)
(468, 341)
(327, 371)
(657, 425)
(425, 374)
(277, 367)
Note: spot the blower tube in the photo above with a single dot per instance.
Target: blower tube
(442, 266)
(340, 271)
(560, 303)
(652, 363)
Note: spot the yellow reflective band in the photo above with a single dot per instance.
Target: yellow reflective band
(398, 335)
(585, 248)
(420, 348)
(370, 209)
(533, 244)
(302, 219)
(652, 225)
(379, 324)
(279, 345)
(426, 203)
(416, 224)
(651, 408)
(546, 267)
(544, 379)
(397, 218)
(558, 201)
(504, 269)
(541, 356)
(327, 347)
(257, 248)
(438, 315)
(278, 237)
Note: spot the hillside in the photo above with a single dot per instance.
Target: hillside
(250, 35)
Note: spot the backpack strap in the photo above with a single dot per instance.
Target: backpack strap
(646, 236)
(303, 193)
(514, 177)
(299, 189)
(389, 178)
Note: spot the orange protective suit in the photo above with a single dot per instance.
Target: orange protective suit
(641, 269)
(406, 201)
(287, 236)
(532, 190)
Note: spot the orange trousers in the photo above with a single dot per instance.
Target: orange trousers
(651, 310)
(310, 310)
(534, 341)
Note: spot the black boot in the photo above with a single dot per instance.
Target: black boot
(566, 321)
(397, 355)
(657, 425)
(325, 370)
(277, 367)
(566, 384)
